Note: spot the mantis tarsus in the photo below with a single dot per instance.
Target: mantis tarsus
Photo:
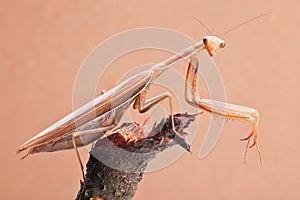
(107, 109)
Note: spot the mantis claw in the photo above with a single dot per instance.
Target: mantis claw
(248, 137)
(253, 144)
(252, 134)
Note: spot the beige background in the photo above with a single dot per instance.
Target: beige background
(43, 43)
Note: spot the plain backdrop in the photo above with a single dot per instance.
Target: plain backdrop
(43, 43)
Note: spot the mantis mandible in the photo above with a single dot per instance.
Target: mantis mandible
(110, 106)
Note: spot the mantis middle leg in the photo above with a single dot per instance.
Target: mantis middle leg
(144, 105)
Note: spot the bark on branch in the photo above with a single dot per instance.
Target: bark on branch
(117, 162)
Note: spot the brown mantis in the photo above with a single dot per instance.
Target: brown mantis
(92, 120)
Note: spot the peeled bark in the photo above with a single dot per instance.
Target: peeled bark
(118, 161)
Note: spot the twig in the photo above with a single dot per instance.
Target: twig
(117, 162)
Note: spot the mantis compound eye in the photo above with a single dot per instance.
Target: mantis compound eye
(222, 45)
(205, 41)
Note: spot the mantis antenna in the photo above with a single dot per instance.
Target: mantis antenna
(233, 28)
(198, 20)
(243, 23)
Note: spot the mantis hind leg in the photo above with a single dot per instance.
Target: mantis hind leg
(218, 108)
(78, 155)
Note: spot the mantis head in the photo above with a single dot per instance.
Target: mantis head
(213, 44)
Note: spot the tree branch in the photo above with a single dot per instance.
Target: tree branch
(118, 161)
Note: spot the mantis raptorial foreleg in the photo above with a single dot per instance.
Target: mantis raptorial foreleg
(218, 108)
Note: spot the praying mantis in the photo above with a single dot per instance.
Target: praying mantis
(92, 120)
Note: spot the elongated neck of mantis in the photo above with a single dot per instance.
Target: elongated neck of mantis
(162, 66)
